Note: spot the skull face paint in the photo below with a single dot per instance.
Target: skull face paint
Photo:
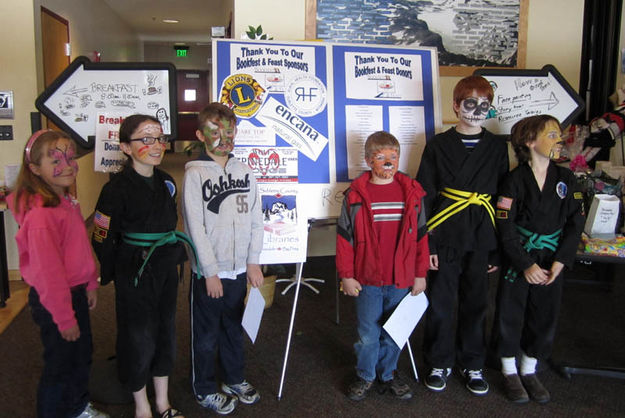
(383, 163)
(219, 136)
(64, 157)
(473, 110)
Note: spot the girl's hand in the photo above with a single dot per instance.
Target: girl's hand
(554, 272)
(71, 334)
(255, 275)
(418, 286)
(92, 298)
(214, 288)
(492, 269)
(351, 287)
(535, 275)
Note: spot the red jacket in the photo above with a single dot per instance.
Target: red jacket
(357, 252)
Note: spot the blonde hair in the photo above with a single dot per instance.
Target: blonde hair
(29, 184)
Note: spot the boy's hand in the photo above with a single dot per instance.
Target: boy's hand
(556, 269)
(255, 275)
(71, 334)
(92, 298)
(214, 288)
(351, 287)
(434, 262)
(418, 286)
(492, 269)
(536, 275)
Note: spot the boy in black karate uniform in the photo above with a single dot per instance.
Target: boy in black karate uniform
(460, 171)
(540, 220)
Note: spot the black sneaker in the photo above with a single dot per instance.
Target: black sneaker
(475, 381)
(397, 386)
(358, 390)
(437, 379)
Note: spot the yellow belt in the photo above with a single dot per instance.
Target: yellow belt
(463, 199)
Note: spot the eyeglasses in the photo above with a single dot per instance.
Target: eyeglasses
(150, 140)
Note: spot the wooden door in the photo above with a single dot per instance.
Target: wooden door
(193, 95)
(54, 38)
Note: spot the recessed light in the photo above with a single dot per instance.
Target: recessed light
(171, 21)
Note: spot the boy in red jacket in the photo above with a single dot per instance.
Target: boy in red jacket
(381, 251)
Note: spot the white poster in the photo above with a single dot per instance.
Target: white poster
(108, 158)
(361, 121)
(378, 75)
(406, 124)
(270, 164)
(285, 223)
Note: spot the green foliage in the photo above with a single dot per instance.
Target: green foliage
(256, 33)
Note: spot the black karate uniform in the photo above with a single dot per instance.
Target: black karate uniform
(463, 244)
(526, 314)
(146, 306)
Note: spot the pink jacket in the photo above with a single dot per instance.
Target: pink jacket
(55, 254)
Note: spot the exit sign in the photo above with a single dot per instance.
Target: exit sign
(181, 50)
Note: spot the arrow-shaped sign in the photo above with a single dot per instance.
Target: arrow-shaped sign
(522, 93)
(85, 90)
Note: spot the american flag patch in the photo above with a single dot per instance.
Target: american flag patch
(504, 203)
(102, 220)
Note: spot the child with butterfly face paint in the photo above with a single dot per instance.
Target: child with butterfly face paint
(222, 214)
(56, 261)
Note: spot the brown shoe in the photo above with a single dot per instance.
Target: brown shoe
(535, 389)
(514, 388)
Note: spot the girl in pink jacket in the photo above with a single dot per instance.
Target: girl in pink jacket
(56, 261)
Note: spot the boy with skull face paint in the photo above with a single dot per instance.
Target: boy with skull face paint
(460, 171)
(223, 217)
(381, 251)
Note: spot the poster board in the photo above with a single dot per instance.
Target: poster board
(85, 89)
(523, 93)
(313, 97)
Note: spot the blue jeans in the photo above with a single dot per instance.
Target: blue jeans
(376, 352)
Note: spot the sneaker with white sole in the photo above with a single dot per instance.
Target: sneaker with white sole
(244, 391)
(437, 379)
(91, 412)
(475, 382)
(218, 402)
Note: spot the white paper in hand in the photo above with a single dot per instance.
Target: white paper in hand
(406, 317)
(253, 313)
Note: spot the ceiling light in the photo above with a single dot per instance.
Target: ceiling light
(171, 21)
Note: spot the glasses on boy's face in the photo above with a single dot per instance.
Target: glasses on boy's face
(150, 140)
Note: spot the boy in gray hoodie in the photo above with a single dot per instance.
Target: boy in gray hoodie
(222, 215)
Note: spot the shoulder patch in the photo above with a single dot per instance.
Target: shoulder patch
(502, 214)
(561, 189)
(504, 202)
(101, 220)
(578, 195)
(171, 187)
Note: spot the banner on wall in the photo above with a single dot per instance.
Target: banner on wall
(305, 109)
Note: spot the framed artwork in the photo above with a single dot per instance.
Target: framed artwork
(468, 34)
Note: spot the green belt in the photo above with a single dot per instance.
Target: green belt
(534, 241)
(155, 240)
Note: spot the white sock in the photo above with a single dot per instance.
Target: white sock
(528, 364)
(508, 365)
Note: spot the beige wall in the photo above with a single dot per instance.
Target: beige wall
(280, 19)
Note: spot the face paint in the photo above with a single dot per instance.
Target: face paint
(473, 110)
(548, 142)
(146, 155)
(219, 136)
(64, 158)
(383, 163)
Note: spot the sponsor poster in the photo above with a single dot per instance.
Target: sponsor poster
(285, 223)
(108, 158)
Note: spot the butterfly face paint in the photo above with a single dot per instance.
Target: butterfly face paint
(383, 164)
(64, 157)
(473, 110)
(219, 136)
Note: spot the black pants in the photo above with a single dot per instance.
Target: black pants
(526, 317)
(63, 386)
(461, 276)
(217, 334)
(146, 326)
